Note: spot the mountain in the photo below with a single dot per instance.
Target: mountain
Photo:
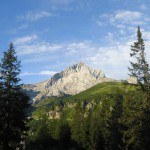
(71, 81)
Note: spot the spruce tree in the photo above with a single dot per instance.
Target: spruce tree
(139, 67)
(13, 102)
(136, 112)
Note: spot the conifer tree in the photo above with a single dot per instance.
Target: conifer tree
(139, 67)
(136, 112)
(13, 102)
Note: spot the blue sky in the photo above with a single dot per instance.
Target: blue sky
(50, 35)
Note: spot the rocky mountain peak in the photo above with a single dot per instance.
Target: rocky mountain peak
(70, 81)
(79, 65)
(75, 70)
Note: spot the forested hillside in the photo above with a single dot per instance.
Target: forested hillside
(107, 116)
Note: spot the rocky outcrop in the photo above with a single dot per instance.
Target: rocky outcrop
(132, 80)
(71, 81)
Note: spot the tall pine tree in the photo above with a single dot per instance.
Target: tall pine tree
(13, 102)
(136, 112)
(139, 67)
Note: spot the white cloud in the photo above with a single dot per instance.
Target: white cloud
(33, 16)
(77, 46)
(37, 48)
(113, 60)
(146, 35)
(124, 18)
(25, 39)
(28, 45)
(45, 72)
(120, 26)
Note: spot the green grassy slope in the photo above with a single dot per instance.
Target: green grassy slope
(101, 89)
(92, 93)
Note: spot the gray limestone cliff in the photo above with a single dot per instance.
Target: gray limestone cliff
(71, 81)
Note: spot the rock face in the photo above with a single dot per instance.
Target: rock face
(71, 81)
(132, 80)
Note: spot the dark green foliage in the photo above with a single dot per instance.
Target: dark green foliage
(65, 136)
(136, 114)
(39, 136)
(132, 120)
(114, 126)
(139, 67)
(145, 134)
(13, 102)
(95, 137)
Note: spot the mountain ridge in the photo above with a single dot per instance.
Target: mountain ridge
(71, 81)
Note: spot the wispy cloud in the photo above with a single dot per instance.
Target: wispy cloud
(122, 18)
(37, 48)
(45, 72)
(126, 16)
(33, 16)
(25, 39)
(31, 44)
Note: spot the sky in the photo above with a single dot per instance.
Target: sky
(50, 35)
